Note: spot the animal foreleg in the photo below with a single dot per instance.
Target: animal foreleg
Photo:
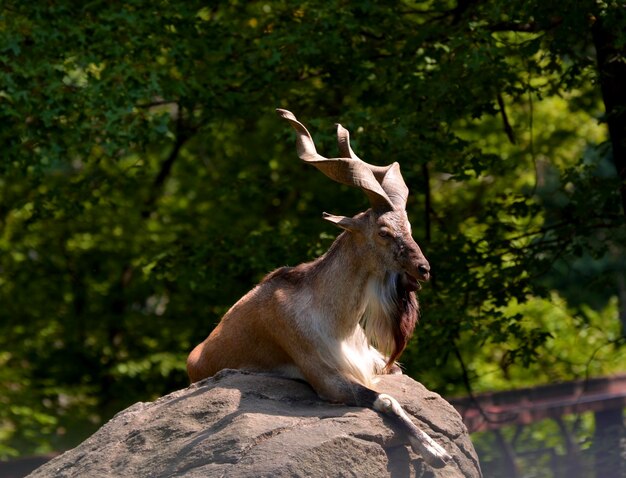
(337, 388)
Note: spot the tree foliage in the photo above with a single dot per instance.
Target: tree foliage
(146, 184)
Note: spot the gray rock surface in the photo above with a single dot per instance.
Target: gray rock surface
(240, 424)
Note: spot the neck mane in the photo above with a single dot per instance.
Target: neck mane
(390, 316)
(358, 297)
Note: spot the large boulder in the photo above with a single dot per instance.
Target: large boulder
(240, 424)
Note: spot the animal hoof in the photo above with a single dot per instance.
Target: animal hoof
(434, 454)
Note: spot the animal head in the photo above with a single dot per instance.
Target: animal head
(385, 227)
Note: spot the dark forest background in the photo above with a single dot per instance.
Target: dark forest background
(146, 184)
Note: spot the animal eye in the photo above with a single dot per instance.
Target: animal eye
(384, 232)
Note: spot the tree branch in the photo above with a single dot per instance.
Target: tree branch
(182, 135)
(505, 120)
(470, 393)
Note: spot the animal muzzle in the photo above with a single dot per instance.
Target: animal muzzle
(416, 267)
(423, 271)
(418, 270)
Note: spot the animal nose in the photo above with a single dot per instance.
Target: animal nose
(424, 271)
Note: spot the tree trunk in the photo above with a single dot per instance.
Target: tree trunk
(607, 441)
(611, 58)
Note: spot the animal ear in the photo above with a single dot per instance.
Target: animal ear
(347, 223)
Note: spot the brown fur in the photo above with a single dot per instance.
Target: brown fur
(261, 329)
